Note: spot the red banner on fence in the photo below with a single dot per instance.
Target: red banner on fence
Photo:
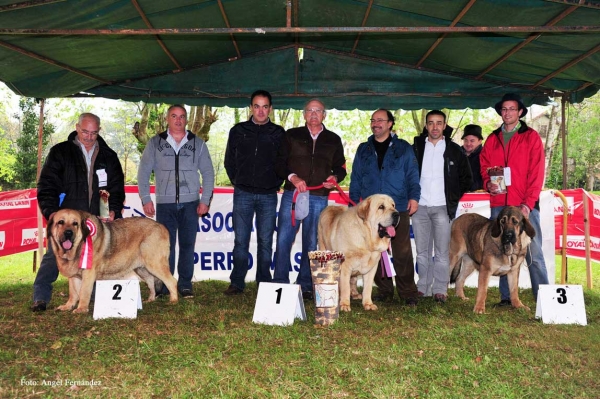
(575, 223)
(18, 221)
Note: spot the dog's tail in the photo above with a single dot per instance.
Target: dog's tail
(454, 272)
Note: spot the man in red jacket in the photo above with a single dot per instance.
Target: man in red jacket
(515, 151)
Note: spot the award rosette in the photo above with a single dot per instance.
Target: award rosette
(325, 271)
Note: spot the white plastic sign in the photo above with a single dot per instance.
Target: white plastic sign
(117, 298)
(278, 304)
(561, 304)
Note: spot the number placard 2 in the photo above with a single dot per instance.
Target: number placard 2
(278, 304)
(561, 304)
(117, 298)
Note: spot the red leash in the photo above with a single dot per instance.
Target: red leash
(337, 186)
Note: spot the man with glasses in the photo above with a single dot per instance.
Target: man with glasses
(178, 158)
(250, 164)
(516, 150)
(308, 156)
(76, 170)
(385, 164)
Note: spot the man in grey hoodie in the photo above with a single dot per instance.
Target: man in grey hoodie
(176, 156)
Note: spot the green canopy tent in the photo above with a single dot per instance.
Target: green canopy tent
(351, 53)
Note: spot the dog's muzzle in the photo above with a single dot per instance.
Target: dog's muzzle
(389, 231)
(67, 243)
(509, 238)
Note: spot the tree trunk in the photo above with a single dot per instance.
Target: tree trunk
(550, 139)
(418, 118)
(140, 129)
(204, 117)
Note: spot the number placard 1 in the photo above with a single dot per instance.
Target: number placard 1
(278, 304)
(561, 304)
(117, 298)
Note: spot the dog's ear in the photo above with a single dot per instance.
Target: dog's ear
(362, 210)
(496, 228)
(49, 226)
(527, 227)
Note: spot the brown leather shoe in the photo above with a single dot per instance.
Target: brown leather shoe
(233, 290)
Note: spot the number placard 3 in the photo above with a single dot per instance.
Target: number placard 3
(561, 304)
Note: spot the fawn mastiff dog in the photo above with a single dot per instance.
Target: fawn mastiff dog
(124, 248)
(361, 233)
(494, 247)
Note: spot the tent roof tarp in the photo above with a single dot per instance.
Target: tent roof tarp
(351, 53)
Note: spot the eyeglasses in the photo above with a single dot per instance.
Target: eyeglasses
(314, 111)
(88, 133)
(504, 110)
(379, 120)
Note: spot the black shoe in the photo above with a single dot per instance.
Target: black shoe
(38, 306)
(233, 290)
(412, 302)
(440, 298)
(308, 296)
(186, 293)
(383, 297)
(503, 303)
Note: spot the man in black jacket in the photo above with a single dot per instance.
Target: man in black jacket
(76, 169)
(445, 177)
(472, 146)
(250, 164)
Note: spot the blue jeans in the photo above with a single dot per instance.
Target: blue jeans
(535, 257)
(46, 275)
(181, 220)
(286, 235)
(245, 205)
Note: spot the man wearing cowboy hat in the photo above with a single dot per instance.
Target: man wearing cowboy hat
(517, 149)
(472, 147)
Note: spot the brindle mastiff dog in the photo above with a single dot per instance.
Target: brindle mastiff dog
(361, 233)
(122, 249)
(494, 247)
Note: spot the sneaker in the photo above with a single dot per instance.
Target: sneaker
(38, 306)
(186, 293)
(233, 290)
(440, 298)
(412, 302)
(308, 296)
(420, 294)
(503, 303)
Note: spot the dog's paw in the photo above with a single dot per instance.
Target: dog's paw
(81, 310)
(64, 307)
(356, 296)
(479, 310)
(344, 307)
(370, 306)
(521, 306)
(464, 298)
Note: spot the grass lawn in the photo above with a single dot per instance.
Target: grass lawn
(208, 347)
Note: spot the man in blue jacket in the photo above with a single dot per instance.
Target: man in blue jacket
(385, 164)
(250, 164)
